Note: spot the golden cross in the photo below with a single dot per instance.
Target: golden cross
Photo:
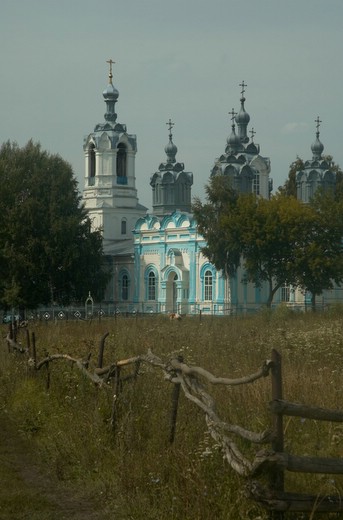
(232, 114)
(111, 62)
(318, 121)
(170, 126)
(243, 85)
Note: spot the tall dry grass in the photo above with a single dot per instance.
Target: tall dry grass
(134, 471)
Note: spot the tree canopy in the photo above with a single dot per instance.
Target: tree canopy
(48, 252)
(276, 241)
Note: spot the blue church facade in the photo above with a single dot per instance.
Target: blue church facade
(156, 258)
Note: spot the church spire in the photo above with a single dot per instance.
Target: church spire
(233, 140)
(170, 148)
(243, 118)
(111, 95)
(317, 147)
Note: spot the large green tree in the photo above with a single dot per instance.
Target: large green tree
(290, 186)
(48, 252)
(276, 241)
(318, 255)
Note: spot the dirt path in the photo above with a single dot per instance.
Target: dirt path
(27, 492)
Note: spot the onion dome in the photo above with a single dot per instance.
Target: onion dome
(170, 148)
(111, 95)
(317, 147)
(233, 141)
(242, 118)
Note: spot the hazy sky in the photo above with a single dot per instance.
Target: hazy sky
(178, 59)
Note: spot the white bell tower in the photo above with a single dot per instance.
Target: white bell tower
(110, 194)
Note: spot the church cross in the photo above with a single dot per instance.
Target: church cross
(170, 126)
(317, 121)
(232, 114)
(111, 62)
(252, 132)
(243, 85)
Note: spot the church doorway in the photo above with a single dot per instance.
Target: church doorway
(172, 291)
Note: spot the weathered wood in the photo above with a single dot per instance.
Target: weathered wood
(101, 349)
(265, 462)
(12, 344)
(293, 502)
(276, 473)
(34, 352)
(194, 370)
(175, 404)
(80, 365)
(280, 406)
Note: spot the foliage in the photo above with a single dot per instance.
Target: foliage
(47, 249)
(133, 472)
(259, 233)
(318, 256)
(276, 241)
(290, 186)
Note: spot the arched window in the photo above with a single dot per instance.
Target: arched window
(125, 287)
(123, 226)
(91, 164)
(121, 164)
(208, 285)
(285, 293)
(256, 184)
(151, 286)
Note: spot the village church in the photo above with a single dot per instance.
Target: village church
(156, 258)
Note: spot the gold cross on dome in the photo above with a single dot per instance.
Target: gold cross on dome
(170, 126)
(317, 121)
(232, 114)
(243, 85)
(110, 75)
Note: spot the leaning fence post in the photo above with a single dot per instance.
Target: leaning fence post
(28, 342)
(277, 476)
(101, 350)
(175, 404)
(117, 387)
(34, 353)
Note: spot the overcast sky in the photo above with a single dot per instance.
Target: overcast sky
(178, 59)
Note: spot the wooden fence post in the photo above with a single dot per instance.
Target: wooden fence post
(34, 353)
(117, 388)
(277, 476)
(175, 404)
(28, 342)
(101, 350)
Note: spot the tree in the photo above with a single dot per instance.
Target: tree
(223, 247)
(318, 257)
(48, 252)
(290, 186)
(270, 238)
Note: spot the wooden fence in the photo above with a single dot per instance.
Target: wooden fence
(264, 476)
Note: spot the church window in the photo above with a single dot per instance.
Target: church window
(151, 286)
(125, 287)
(123, 226)
(285, 293)
(208, 285)
(121, 164)
(256, 184)
(91, 165)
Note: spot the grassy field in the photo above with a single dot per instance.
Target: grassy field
(135, 473)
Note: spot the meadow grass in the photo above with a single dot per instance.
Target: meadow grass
(134, 471)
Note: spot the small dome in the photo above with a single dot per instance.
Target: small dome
(317, 148)
(233, 140)
(243, 117)
(171, 151)
(110, 92)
